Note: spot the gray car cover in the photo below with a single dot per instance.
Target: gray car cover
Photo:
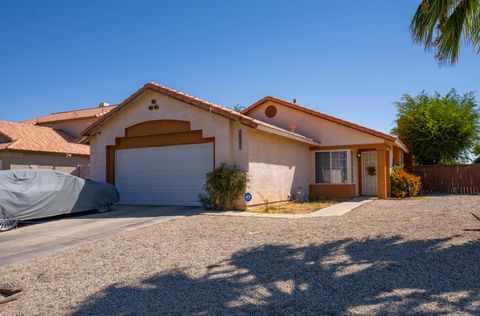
(35, 193)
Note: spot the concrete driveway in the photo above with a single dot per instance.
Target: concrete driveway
(42, 237)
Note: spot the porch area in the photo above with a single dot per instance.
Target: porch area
(349, 171)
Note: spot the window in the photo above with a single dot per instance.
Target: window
(333, 167)
(402, 159)
(322, 167)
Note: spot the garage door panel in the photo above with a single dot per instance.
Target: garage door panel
(172, 190)
(170, 175)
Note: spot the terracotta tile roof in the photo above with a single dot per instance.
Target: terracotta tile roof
(71, 115)
(321, 115)
(205, 105)
(27, 137)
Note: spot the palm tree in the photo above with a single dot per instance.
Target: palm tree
(444, 25)
(238, 108)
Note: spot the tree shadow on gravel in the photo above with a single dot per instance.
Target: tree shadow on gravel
(375, 276)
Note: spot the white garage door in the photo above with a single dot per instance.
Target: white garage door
(170, 175)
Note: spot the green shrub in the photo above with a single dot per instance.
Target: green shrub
(404, 184)
(223, 186)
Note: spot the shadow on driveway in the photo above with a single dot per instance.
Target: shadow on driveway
(371, 276)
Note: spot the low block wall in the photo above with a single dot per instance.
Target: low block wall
(333, 191)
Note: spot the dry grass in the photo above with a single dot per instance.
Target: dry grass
(410, 198)
(293, 208)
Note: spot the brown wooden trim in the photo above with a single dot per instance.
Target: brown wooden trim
(192, 137)
(110, 163)
(387, 174)
(358, 146)
(143, 138)
(382, 190)
(396, 155)
(359, 171)
(328, 190)
(157, 127)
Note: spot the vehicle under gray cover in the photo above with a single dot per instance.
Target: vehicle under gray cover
(34, 193)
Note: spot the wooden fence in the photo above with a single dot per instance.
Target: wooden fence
(456, 179)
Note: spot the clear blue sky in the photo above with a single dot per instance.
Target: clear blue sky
(351, 60)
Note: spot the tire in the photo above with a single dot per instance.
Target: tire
(105, 208)
(7, 224)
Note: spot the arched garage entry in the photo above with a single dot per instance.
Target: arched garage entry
(160, 162)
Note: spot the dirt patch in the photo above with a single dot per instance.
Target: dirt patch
(293, 208)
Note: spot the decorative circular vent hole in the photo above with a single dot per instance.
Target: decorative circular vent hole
(270, 111)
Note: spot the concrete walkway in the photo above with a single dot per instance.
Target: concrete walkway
(51, 235)
(334, 210)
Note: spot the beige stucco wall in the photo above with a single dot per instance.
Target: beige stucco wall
(224, 130)
(24, 160)
(328, 133)
(324, 131)
(277, 167)
(72, 127)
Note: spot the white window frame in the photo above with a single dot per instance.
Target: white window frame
(349, 167)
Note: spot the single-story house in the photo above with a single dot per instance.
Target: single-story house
(73, 122)
(29, 146)
(158, 144)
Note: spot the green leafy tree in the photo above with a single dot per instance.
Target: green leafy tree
(476, 152)
(444, 25)
(438, 129)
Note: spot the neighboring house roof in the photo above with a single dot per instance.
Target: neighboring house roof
(321, 115)
(71, 115)
(31, 138)
(199, 103)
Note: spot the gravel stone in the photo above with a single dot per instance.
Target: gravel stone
(418, 256)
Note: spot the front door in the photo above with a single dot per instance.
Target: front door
(369, 173)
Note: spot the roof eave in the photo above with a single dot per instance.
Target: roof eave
(90, 130)
(44, 152)
(400, 144)
(324, 116)
(288, 135)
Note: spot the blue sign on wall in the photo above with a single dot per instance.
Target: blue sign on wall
(247, 197)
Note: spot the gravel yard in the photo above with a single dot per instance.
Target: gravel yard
(418, 256)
